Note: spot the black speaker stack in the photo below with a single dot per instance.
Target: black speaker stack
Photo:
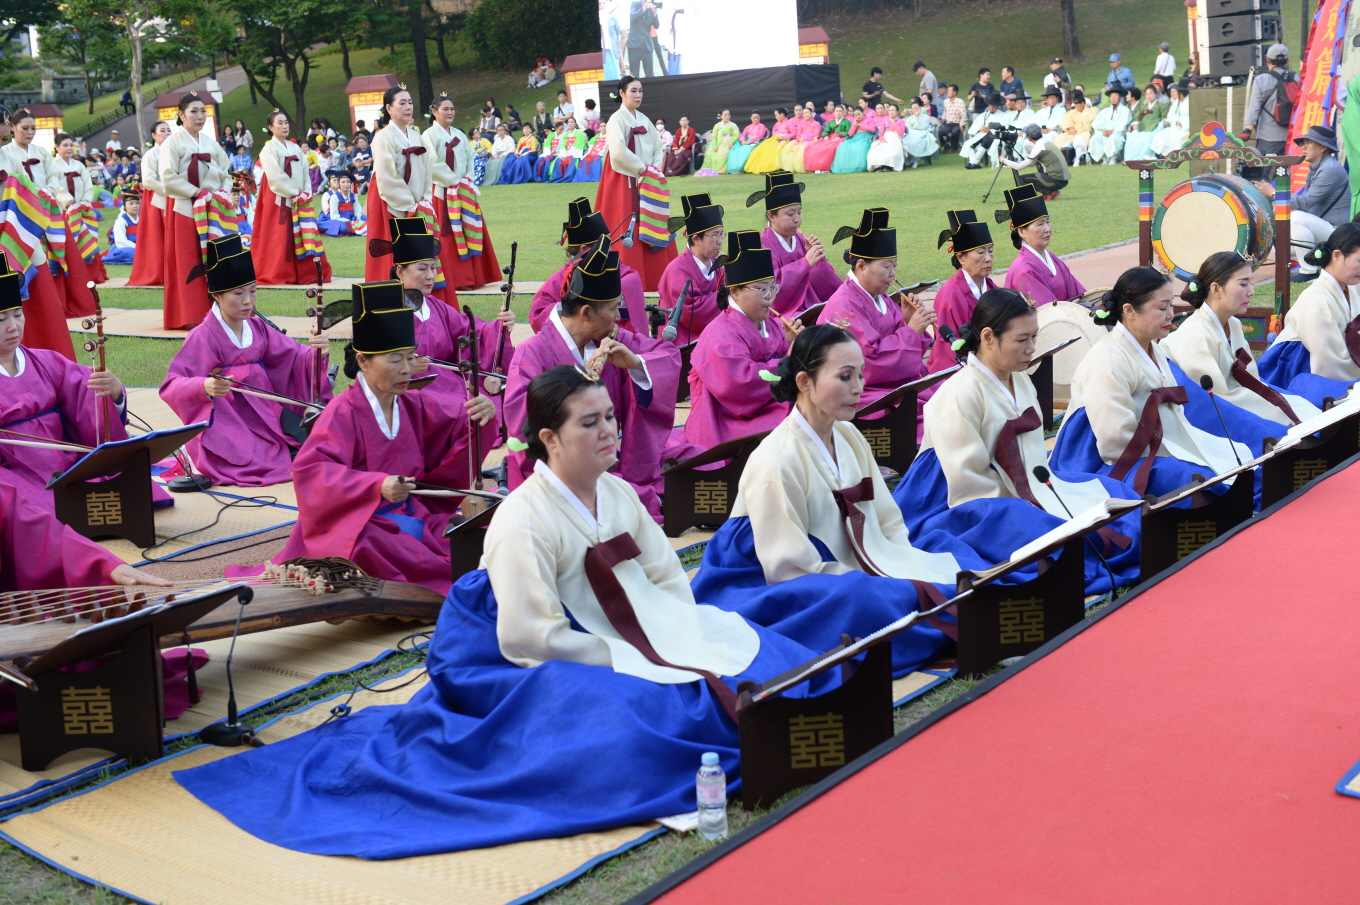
(1233, 36)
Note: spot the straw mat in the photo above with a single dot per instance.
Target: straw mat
(267, 665)
(148, 322)
(146, 837)
(191, 515)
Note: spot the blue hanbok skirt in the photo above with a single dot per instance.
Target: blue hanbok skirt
(564, 169)
(815, 610)
(1245, 427)
(995, 528)
(588, 170)
(736, 158)
(118, 255)
(487, 753)
(518, 170)
(1288, 366)
(853, 154)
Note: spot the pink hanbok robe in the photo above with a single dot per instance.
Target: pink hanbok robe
(893, 352)
(645, 417)
(244, 443)
(437, 337)
(1030, 276)
(50, 399)
(632, 311)
(701, 306)
(754, 133)
(800, 286)
(954, 305)
(728, 398)
(339, 474)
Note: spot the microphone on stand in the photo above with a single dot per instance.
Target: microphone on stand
(672, 328)
(1208, 383)
(232, 733)
(1046, 479)
(628, 236)
(949, 336)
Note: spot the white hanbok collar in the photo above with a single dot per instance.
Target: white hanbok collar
(1008, 392)
(817, 441)
(1222, 330)
(1341, 292)
(760, 327)
(879, 302)
(390, 432)
(556, 318)
(20, 363)
(247, 336)
(975, 288)
(1149, 361)
(705, 269)
(789, 245)
(423, 311)
(1042, 256)
(595, 523)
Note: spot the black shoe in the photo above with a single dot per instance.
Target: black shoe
(972, 166)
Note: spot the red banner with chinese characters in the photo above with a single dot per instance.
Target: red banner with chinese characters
(1318, 78)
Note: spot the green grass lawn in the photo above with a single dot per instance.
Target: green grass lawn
(75, 115)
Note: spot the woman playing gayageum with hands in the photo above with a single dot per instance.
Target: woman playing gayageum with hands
(581, 635)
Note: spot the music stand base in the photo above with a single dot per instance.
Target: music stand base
(189, 484)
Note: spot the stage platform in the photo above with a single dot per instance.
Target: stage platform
(1185, 745)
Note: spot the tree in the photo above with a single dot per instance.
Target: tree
(1071, 46)
(20, 14)
(424, 83)
(89, 41)
(515, 33)
(136, 17)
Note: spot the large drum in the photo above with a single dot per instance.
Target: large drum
(1059, 321)
(1207, 214)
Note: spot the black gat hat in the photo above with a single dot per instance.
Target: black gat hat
(873, 240)
(383, 321)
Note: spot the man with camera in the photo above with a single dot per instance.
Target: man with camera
(1052, 173)
(996, 130)
(642, 18)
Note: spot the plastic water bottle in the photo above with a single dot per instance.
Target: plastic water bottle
(711, 790)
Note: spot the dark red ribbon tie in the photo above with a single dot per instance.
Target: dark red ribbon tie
(1147, 436)
(1352, 339)
(288, 164)
(417, 151)
(618, 609)
(194, 161)
(71, 185)
(1243, 376)
(1008, 456)
(450, 158)
(28, 165)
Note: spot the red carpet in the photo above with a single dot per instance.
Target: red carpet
(1183, 749)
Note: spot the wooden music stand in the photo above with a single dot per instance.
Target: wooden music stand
(467, 539)
(1171, 534)
(704, 498)
(893, 437)
(682, 388)
(1290, 469)
(118, 706)
(808, 317)
(1042, 378)
(119, 506)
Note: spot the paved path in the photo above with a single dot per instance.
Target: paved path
(228, 80)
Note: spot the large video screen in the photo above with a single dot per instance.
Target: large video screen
(652, 38)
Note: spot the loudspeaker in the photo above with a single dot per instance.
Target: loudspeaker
(1251, 28)
(1214, 8)
(1232, 60)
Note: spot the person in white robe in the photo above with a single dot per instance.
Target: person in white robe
(1176, 127)
(1110, 129)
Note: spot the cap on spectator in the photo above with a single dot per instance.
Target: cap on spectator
(1320, 134)
(1057, 60)
(1034, 132)
(1277, 51)
(1115, 58)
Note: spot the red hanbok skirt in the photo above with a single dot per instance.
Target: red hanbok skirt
(271, 245)
(379, 268)
(615, 200)
(185, 303)
(76, 298)
(44, 322)
(148, 261)
(460, 274)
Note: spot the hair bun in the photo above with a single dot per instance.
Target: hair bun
(785, 388)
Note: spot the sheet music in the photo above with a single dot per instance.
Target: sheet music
(1339, 412)
(1078, 524)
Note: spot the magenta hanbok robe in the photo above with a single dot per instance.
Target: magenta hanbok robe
(50, 399)
(339, 473)
(728, 398)
(800, 286)
(893, 352)
(244, 443)
(1029, 276)
(702, 305)
(632, 310)
(645, 417)
(954, 306)
(437, 337)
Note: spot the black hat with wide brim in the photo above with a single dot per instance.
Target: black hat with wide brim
(1024, 205)
(701, 215)
(747, 260)
(595, 275)
(411, 240)
(383, 322)
(229, 265)
(780, 191)
(965, 233)
(582, 227)
(874, 239)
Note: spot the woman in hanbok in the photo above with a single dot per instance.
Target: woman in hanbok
(465, 262)
(501, 149)
(751, 137)
(805, 131)
(285, 189)
(1175, 126)
(1148, 119)
(192, 165)
(642, 374)
(765, 157)
(401, 183)
(973, 479)
(697, 265)
(518, 168)
(246, 442)
(1035, 273)
(441, 327)
(372, 446)
(886, 152)
(892, 334)
(853, 154)
(43, 309)
(804, 275)
(681, 149)
(728, 396)
(815, 546)
(1125, 419)
(552, 146)
(635, 152)
(919, 141)
(574, 144)
(589, 167)
(581, 230)
(580, 639)
(149, 261)
(819, 156)
(720, 144)
(1317, 354)
(1210, 343)
(68, 180)
(971, 252)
